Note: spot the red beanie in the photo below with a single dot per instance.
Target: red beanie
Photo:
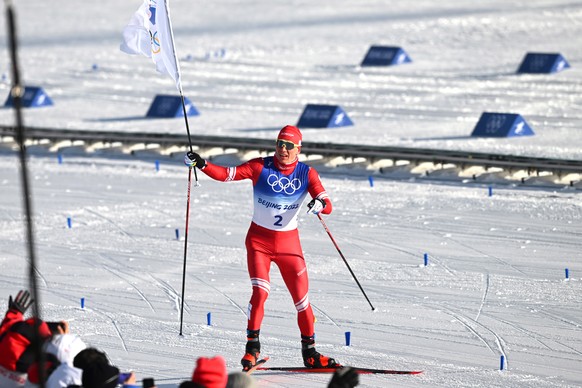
(291, 133)
(210, 372)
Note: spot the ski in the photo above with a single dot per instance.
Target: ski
(300, 369)
(256, 366)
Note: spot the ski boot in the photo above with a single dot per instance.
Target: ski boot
(252, 350)
(312, 358)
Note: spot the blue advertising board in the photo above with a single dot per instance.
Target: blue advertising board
(33, 97)
(166, 106)
(385, 56)
(540, 63)
(323, 116)
(501, 125)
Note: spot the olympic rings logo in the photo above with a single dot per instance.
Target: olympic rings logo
(289, 186)
(155, 40)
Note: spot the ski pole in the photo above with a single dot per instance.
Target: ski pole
(345, 261)
(185, 247)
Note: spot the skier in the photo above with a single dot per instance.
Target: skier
(280, 184)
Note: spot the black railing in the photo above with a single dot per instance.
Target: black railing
(461, 159)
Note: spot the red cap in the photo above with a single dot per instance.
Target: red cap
(291, 133)
(210, 372)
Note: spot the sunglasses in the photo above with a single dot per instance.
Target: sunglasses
(287, 144)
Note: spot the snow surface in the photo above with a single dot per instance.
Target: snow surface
(495, 281)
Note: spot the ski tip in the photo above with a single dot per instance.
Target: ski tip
(366, 371)
(256, 366)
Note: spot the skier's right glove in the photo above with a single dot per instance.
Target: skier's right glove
(22, 301)
(345, 377)
(315, 206)
(192, 159)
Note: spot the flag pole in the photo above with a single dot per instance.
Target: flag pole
(149, 32)
(187, 212)
(179, 80)
(179, 84)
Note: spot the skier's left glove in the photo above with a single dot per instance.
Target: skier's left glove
(315, 206)
(192, 159)
(345, 377)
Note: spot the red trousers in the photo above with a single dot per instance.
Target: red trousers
(265, 246)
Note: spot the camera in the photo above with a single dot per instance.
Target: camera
(55, 326)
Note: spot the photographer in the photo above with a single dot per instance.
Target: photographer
(17, 336)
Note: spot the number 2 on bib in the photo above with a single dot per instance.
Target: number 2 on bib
(279, 220)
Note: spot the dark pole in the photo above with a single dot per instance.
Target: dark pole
(185, 247)
(187, 211)
(17, 92)
(189, 170)
(345, 261)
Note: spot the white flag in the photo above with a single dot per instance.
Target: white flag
(149, 33)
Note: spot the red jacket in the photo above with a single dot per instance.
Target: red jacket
(11, 317)
(16, 338)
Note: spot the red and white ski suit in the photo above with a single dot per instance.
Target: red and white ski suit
(278, 192)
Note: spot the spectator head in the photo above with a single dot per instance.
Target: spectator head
(210, 372)
(100, 375)
(190, 384)
(89, 356)
(240, 380)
